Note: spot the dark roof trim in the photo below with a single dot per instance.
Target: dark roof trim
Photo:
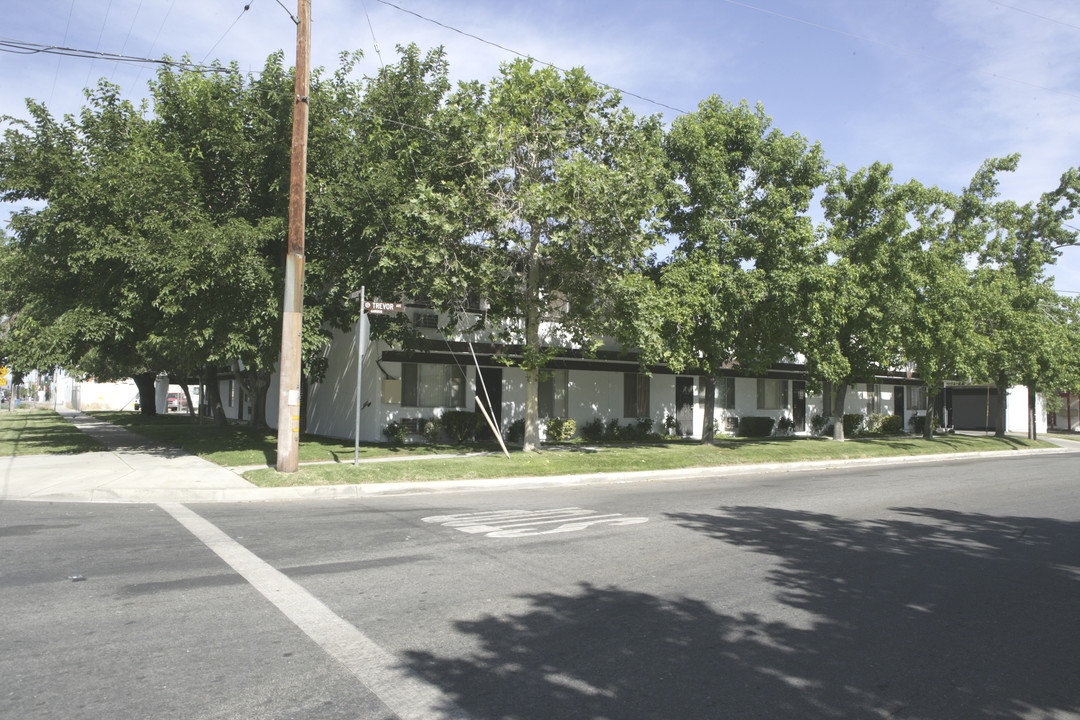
(605, 361)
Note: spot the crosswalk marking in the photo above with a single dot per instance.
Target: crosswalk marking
(525, 523)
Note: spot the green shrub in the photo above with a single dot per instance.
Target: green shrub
(872, 423)
(752, 426)
(818, 424)
(396, 432)
(515, 433)
(560, 429)
(785, 426)
(613, 432)
(460, 425)
(642, 428)
(593, 431)
(918, 423)
(852, 423)
(891, 425)
(432, 429)
(671, 425)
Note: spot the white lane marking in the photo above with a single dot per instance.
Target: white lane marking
(525, 523)
(405, 693)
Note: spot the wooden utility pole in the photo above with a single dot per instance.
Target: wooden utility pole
(288, 439)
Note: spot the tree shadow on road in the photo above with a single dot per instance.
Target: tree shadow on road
(928, 614)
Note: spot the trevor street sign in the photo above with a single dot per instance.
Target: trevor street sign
(377, 308)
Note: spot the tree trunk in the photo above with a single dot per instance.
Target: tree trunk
(304, 388)
(708, 430)
(533, 351)
(147, 384)
(213, 391)
(1033, 430)
(1003, 401)
(839, 401)
(256, 385)
(175, 380)
(190, 405)
(928, 420)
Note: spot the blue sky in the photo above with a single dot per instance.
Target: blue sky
(933, 87)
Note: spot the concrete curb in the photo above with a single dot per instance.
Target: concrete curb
(340, 492)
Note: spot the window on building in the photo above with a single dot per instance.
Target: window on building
(725, 393)
(916, 397)
(635, 395)
(553, 394)
(873, 398)
(424, 385)
(426, 320)
(772, 394)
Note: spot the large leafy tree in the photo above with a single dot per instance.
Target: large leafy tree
(160, 246)
(733, 291)
(96, 258)
(940, 307)
(853, 333)
(546, 218)
(1024, 324)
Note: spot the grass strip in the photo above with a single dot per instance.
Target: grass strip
(237, 445)
(42, 432)
(583, 460)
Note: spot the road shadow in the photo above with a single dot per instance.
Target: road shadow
(928, 614)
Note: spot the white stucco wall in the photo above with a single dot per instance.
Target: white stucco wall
(120, 395)
(1016, 419)
(591, 393)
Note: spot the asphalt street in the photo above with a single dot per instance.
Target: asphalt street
(936, 591)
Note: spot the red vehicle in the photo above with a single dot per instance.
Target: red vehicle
(176, 402)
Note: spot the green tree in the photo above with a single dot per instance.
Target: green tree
(547, 219)
(89, 260)
(853, 333)
(733, 292)
(1023, 323)
(940, 307)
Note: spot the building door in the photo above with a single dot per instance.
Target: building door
(684, 404)
(898, 401)
(798, 405)
(492, 378)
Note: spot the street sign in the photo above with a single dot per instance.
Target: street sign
(4, 372)
(378, 308)
(3, 382)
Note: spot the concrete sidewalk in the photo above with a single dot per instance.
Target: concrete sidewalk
(133, 469)
(137, 470)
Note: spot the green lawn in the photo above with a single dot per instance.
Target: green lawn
(581, 460)
(41, 432)
(236, 445)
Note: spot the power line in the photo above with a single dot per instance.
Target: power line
(897, 48)
(67, 26)
(527, 56)
(393, 96)
(161, 27)
(104, 22)
(1041, 17)
(22, 47)
(127, 37)
(227, 30)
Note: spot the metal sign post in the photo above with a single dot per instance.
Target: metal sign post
(372, 307)
(359, 373)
